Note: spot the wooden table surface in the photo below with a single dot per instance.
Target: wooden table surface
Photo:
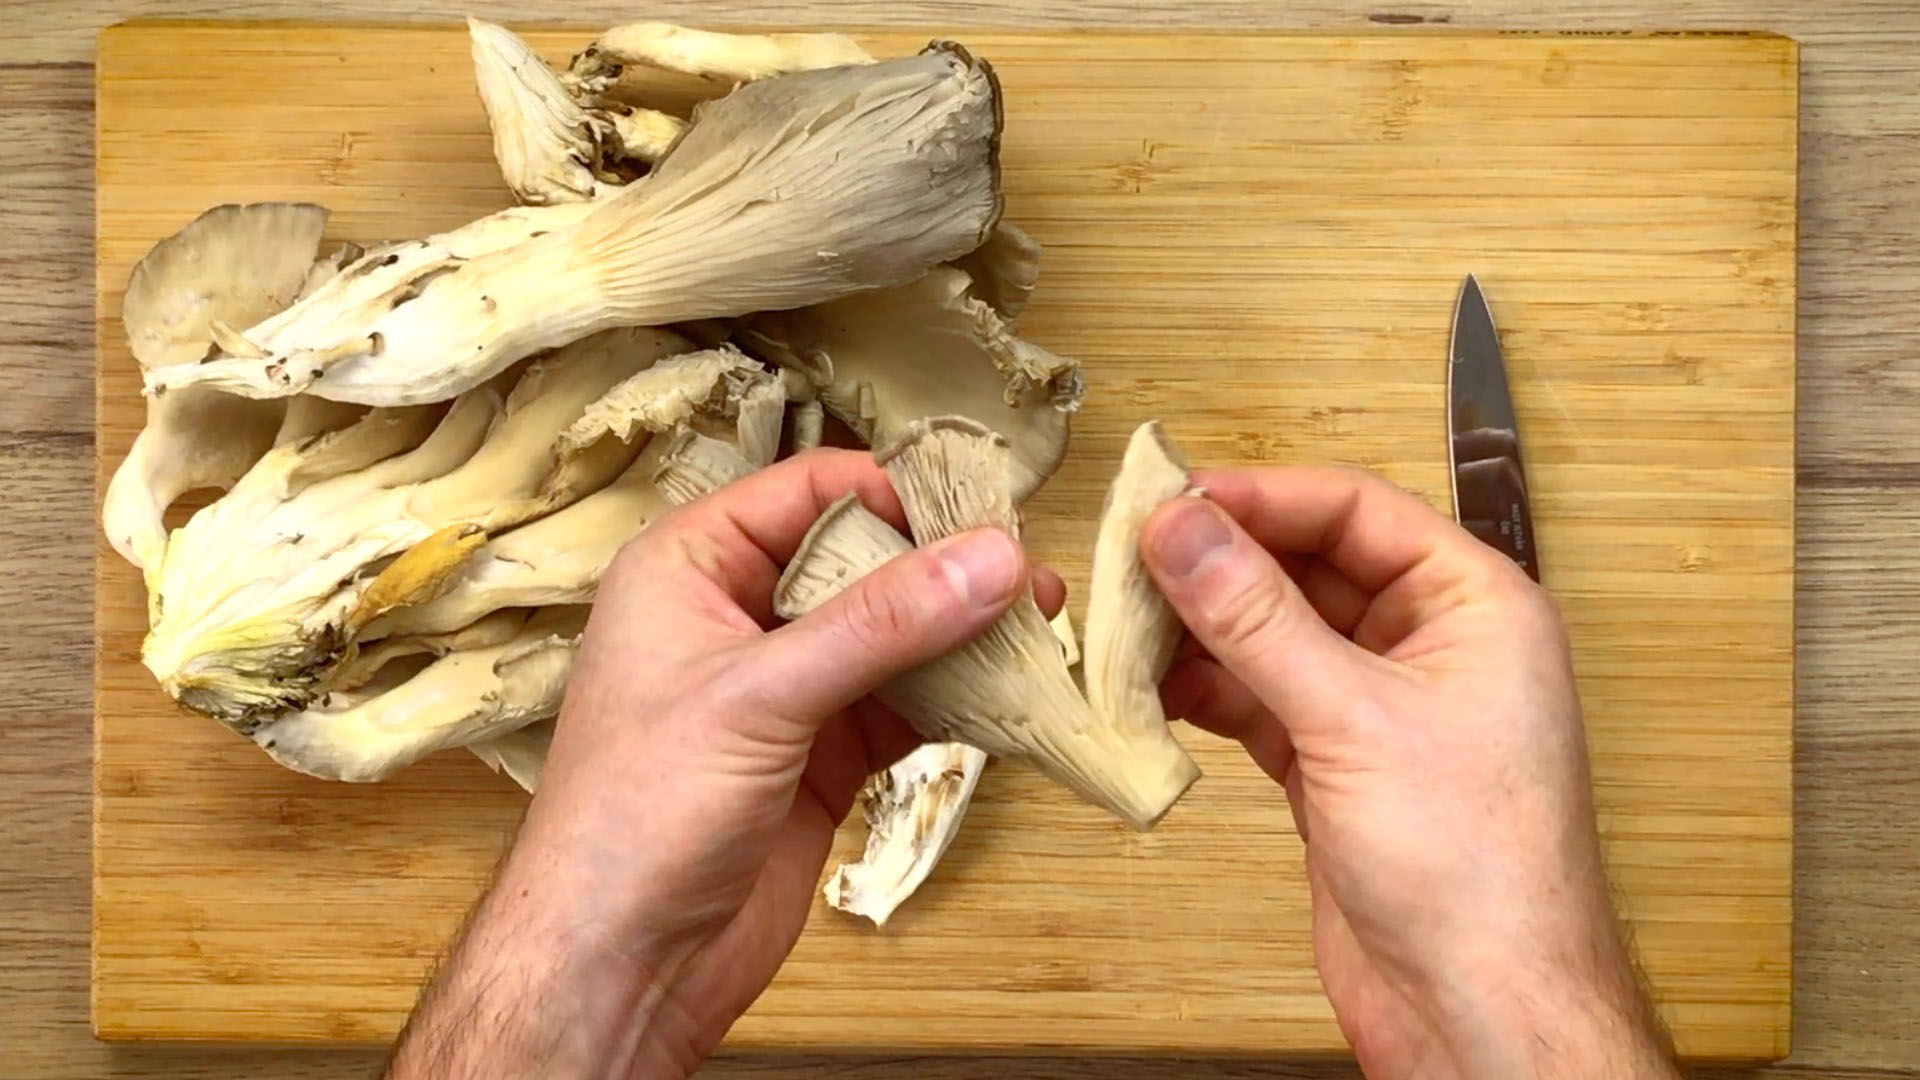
(1857, 949)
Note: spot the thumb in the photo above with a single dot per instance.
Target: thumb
(1242, 607)
(913, 609)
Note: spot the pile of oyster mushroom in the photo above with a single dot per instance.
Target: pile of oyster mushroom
(429, 450)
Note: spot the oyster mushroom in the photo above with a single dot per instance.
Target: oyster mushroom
(736, 57)
(520, 755)
(1132, 631)
(549, 148)
(364, 663)
(558, 559)
(1005, 270)
(886, 358)
(1009, 691)
(554, 147)
(234, 264)
(463, 697)
(786, 192)
(262, 591)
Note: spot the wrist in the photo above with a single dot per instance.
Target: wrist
(537, 986)
(1578, 1014)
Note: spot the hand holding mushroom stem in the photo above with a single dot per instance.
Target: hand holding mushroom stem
(735, 749)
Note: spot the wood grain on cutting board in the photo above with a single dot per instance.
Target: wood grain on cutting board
(1256, 239)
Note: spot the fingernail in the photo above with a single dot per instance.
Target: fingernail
(983, 566)
(1191, 536)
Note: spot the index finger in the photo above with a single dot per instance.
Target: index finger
(741, 536)
(771, 509)
(1361, 524)
(729, 546)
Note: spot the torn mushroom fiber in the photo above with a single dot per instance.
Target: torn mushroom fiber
(1008, 692)
(784, 193)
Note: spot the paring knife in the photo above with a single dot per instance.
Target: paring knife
(1483, 438)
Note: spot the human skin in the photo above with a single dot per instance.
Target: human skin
(1409, 689)
(1412, 691)
(702, 759)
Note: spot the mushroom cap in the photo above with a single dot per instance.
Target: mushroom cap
(233, 265)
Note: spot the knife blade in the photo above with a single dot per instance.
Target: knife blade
(1483, 436)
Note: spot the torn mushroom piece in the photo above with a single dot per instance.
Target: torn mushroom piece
(234, 264)
(913, 811)
(262, 591)
(787, 192)
(461, 698)
(1062, 624)
(1008, 692)
(893, 356)
(1132, 631)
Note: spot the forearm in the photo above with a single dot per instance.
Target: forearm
(526, 993)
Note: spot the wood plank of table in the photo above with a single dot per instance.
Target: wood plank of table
(1857, 964)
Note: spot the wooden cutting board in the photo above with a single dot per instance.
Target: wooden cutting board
(1255, 238)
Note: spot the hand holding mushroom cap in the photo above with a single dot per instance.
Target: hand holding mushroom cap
(1010, 692)
(731, 748)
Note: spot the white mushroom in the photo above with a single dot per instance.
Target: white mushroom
(784, 193)
(232, 264)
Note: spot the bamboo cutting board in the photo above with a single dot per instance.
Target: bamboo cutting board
(1256, 239)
